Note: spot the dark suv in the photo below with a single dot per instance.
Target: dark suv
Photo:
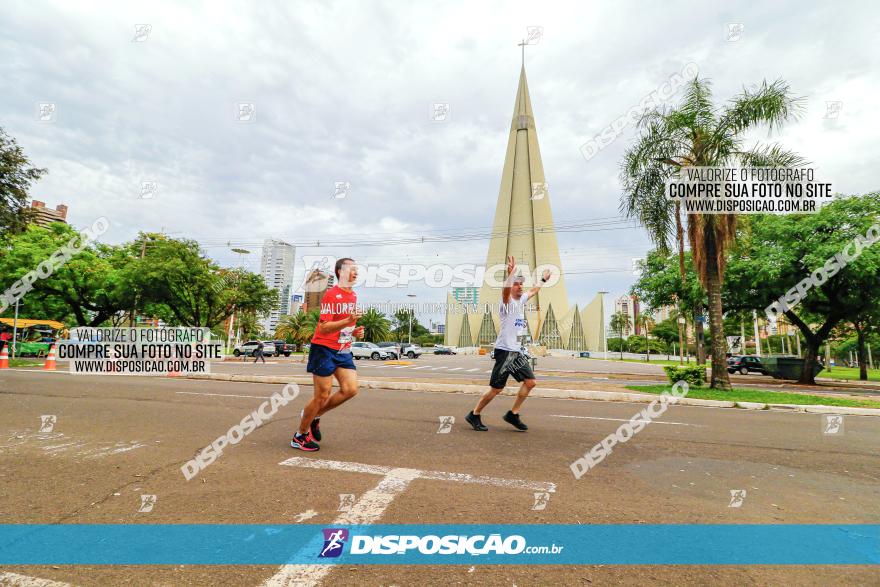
(282, 348)
(745, 364)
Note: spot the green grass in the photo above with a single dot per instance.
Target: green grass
(654, 361)
(739, 394)
(29, 362)
(849, 373)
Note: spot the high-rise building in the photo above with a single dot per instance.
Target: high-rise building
(466, 295)
(316, 284)
(276, 267)
(628, 305)
(43, 216)
(523, 227)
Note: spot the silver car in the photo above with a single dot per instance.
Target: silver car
(368, 350)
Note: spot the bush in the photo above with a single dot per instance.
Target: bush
(694, 375)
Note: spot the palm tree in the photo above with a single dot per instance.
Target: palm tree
(620, 321)
(696, 133)
(300, 327)
(376, 325)
(647, 322)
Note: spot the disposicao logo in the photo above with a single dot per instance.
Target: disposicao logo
(334, 540)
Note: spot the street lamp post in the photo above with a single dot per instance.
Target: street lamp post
(602, 323)
(15, 330)
(409, 337)
(241, 253)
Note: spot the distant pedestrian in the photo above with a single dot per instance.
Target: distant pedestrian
(258, 352)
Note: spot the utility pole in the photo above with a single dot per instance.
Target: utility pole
(15, 329)
(757, 336)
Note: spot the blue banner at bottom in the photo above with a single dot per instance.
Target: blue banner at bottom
(609, 544)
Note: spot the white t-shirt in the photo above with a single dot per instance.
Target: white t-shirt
(513, 323)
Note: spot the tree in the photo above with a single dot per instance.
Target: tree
(667, 331)
(299, 327)
(698, 134)
(177, 283)
(86, 290)
(16, 176)
(376, 326)
(646, 322)
(619, 323)
(660, 284)
(403, 318)
(777, 253)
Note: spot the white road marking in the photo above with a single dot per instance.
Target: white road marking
(224, 394)
(372, 504)
(474, 369)
(435, 368)
(423, 367)
(456, 368)
(16, 580)
(628, 419)
(366, 510)
(306, 515)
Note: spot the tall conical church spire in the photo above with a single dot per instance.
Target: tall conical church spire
(523, 227)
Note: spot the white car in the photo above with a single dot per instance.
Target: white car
(368, 350)
(247, 349)
(412, 351)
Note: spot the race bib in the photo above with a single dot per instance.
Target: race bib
(345, 339)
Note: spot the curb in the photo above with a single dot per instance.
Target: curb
(552, 393)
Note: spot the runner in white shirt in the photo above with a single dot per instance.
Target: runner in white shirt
(511, 357)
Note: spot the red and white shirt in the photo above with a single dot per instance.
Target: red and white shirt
(336, 305)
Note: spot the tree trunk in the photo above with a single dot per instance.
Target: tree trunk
(720, 377)
(699, 336)
(814, 342)
(863, 359)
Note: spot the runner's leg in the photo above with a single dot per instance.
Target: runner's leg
(323, 387)
(485, 399)
(522, 394)
(348, 388)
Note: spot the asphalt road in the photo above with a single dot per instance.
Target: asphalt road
(117, 438)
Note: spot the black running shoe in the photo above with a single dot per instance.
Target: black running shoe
(304, 442)
(475, 421)
(316, 429)
(513, 419)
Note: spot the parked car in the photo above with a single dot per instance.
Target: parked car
(282, 348)
(247, 349)
(412, 351)
(368, 350)
(392, 348)
(745, 364)
(443, 350)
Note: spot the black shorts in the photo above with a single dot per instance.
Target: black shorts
(509, 363)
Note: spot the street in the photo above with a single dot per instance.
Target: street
(115, 439)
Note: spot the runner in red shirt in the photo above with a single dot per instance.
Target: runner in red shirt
(330, 355)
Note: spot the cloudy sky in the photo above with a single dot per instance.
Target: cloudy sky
(343, 91)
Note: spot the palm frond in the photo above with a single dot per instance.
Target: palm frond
(772, 155)
(770, 104)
